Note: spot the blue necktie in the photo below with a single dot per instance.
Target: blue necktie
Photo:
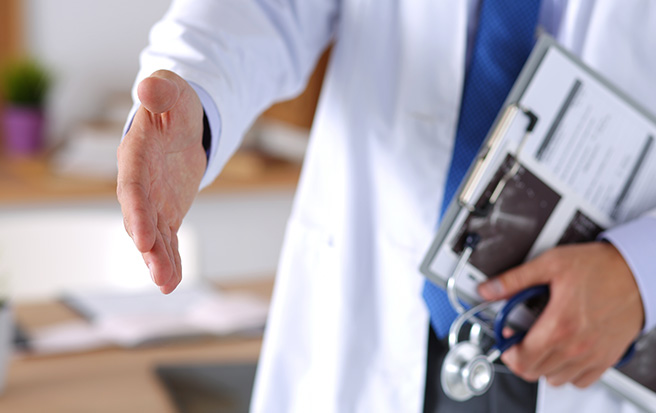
(505, 37)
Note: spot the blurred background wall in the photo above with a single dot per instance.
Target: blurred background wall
(92, 48)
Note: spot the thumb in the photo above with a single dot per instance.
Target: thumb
(160, 92)
(512, 281)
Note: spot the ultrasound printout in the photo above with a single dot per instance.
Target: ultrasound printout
(508, 228)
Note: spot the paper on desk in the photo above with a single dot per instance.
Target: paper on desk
(133, 319)
(68, 337)
(90, 152)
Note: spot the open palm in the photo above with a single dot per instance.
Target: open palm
(160, 165)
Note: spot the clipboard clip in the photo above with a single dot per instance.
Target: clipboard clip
(465, 199)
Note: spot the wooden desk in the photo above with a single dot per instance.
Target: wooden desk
(32, 180)
(111, 380)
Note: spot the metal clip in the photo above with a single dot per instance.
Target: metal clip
(465, 198)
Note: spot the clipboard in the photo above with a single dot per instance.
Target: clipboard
(551, 171)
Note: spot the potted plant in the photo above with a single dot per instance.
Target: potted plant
(24, 85)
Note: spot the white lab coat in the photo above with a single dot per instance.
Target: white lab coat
(348, 327)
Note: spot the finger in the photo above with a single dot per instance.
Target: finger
(515, 363)
(170, 239)
(588, 377)
(571, 358)
(172, 249)
(170, 286)
(542, 341)
(158, 93)
(558, 367)
(513, 281)
(562, 367)
(565, 373)
(507, 332)
(138, 213)
(159, 262)
(177, 276)
(138, 216)
(176, 257)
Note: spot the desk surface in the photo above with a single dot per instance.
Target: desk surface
(32, 180)
(109, 380)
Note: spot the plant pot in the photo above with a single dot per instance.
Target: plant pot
(23, 130)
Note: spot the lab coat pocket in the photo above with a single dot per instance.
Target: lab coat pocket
(304, 322)
(298, 358)
(307, 283)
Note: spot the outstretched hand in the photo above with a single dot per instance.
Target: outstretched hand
(161, 162)
(594, 313)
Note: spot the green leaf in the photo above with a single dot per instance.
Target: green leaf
(25, 82)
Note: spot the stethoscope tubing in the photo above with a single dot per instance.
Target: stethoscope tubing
(500, 321)
(502, 343)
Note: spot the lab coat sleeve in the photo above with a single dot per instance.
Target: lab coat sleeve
(242, 55)
(214, 120)
(636, 241)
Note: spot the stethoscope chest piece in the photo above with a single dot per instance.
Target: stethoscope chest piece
(466, 372)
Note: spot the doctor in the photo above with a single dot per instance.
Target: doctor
(348, 328)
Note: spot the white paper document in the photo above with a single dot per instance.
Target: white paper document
(138, 318)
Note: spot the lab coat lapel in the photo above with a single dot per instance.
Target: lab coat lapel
(433, 57)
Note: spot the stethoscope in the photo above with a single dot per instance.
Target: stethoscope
(468, 370)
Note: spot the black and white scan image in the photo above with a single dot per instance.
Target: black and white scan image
(580, 229)
(508, 228)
